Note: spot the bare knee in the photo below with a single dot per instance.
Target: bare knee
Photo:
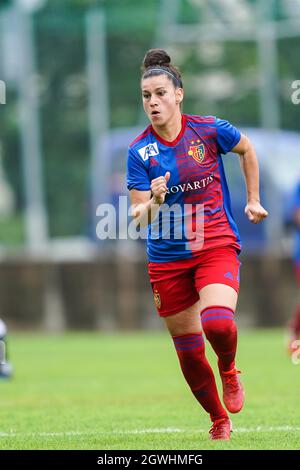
(185, 322)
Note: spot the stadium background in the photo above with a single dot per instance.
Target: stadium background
(71, 70)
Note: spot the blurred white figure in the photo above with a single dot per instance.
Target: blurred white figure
(5, 365)
(7, 198)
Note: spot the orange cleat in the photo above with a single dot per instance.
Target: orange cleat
(233, 391)
(221, 429)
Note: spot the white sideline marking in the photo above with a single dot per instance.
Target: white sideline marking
(146, 431)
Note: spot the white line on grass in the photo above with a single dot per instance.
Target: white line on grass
(256, 429)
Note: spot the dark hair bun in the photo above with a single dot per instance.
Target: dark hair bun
(156, 57)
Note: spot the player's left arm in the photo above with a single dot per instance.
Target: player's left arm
(249, 164)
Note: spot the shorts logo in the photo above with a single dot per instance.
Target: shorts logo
(229, 275)
(157, 300)
(197, 151)
(149, 151)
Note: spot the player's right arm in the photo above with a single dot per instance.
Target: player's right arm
(145, 204)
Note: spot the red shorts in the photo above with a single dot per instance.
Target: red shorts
(176, 284)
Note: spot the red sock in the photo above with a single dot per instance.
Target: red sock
(220, 329)
(190, 349)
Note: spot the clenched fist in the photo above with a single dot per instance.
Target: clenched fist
(255, 212)
(159, 188)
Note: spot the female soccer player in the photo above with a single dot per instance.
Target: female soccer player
(176, 181)
(294, 325)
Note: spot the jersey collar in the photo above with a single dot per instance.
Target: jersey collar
(175, 141)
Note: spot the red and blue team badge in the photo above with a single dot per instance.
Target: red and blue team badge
(157, 300)
(197, 151)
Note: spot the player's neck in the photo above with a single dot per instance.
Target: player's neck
(171, 129)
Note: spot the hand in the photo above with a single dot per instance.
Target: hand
(255, 212)
(159, 188)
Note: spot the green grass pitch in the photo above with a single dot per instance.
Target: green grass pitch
(126, 391)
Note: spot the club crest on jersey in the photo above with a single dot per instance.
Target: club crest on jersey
(197, 152)
(157, 300)
(149, 150)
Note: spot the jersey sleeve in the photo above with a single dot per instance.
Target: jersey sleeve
(227, 136)
(137, 175)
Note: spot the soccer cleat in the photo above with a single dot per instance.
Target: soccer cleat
(233, 391)
(221, 429)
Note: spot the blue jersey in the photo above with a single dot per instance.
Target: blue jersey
(197, 180)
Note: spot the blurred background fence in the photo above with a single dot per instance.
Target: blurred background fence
(71, 70)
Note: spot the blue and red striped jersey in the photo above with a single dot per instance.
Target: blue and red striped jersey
(197, 186)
